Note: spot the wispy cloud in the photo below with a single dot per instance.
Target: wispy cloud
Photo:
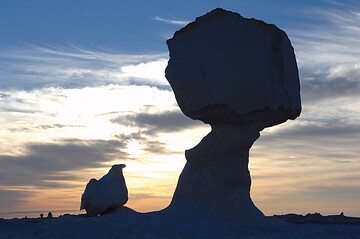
(148, 73)
(333, 41)
(165, 121)
(37, 67)
(171, 21)
(47, 114)
(323, 88)
(328, 53)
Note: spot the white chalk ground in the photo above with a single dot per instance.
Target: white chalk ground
(126, 223)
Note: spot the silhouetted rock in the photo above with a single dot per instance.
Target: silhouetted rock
(107, 193)
(227, 68)
(240, 76)
(317, 218)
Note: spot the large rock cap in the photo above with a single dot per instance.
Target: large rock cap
(227, 68)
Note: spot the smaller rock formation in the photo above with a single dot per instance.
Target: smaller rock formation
(107, 193)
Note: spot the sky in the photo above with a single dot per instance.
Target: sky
(82, 87)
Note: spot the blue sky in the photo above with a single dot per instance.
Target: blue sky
(82, 87)
(129, 26)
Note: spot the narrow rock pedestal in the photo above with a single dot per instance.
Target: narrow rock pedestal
(215, 183)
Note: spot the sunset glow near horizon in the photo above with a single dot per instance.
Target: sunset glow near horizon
(82, 87)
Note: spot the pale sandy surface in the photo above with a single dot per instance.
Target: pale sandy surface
(129, 224)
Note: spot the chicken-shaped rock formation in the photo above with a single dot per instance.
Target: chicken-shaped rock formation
(107, 193)
(239, 75)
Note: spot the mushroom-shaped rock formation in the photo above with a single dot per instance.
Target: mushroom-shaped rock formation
(239, 75)
(107, 193)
